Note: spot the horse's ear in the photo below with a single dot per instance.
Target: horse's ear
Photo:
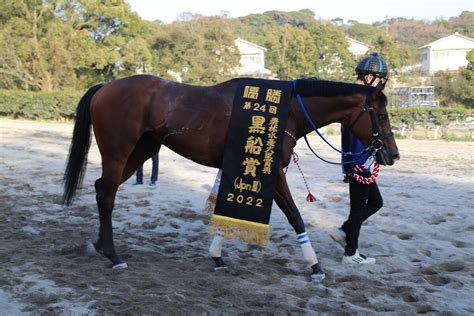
(380, 86)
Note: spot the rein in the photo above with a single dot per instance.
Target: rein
(369, 151)
(375, 145)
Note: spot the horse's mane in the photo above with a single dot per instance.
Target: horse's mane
(324, 88)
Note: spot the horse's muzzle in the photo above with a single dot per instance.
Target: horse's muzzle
(396, 156)
(387, 157)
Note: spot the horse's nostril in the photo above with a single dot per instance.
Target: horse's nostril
(396, 156)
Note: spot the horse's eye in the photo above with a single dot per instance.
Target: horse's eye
(383, 117)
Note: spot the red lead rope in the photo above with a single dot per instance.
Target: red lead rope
(310, 197)
(365, 180)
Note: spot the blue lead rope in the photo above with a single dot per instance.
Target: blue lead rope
(308, 118)
(358, 161)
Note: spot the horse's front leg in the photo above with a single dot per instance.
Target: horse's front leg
(216, 251)
(285, 201)
(218, 241)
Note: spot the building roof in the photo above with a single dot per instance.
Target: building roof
(251, 44)
(350, 39)
(438, 41)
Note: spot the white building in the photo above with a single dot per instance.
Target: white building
(252, 60)
(447, 53)
(357, 48)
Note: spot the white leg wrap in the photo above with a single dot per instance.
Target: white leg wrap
(216, 246)
(217, 182)
(211, 200)
(308, 251)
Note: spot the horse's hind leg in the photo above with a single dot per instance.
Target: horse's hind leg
(145, 148)
(106, 189)
(114, 173)
(285, 201)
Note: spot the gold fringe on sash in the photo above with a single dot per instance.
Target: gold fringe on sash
(230, 228)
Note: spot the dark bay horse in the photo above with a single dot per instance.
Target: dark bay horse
(134, 116)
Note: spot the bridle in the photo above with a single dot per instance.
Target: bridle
(377, 139)
(375, 145)
(382, 82)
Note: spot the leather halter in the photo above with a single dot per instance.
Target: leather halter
(377, 140)
(371, 150)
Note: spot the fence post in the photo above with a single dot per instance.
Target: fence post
(435, 136)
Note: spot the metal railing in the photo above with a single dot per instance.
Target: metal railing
(412, 97)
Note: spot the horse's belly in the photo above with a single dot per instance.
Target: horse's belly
(196, 148)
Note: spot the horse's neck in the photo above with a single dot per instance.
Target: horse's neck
(322, 111)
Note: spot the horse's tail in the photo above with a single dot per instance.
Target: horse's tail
(81, 141)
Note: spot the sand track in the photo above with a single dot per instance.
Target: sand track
(422, 238)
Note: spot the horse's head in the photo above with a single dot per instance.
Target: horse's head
(372, 126)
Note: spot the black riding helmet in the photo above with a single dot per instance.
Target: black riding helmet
(372, 65)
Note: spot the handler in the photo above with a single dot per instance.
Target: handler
(365, 197)
(154, 172)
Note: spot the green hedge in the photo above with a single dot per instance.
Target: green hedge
(58, 105)
(427, 116)
(61, 105)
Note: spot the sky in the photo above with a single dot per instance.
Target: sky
(363, 11)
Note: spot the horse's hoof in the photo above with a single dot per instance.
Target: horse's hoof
(89, 249)
(318, 277)
(122, 265)
(220, 268)
(318, 274)
(220, 264)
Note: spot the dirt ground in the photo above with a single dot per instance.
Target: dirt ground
(423, 238)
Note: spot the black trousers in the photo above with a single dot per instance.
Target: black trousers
(366, 200)
(154, 170)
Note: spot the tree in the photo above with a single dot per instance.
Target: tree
(338, 21)
(61, 44)
(470, 65)
(298, 45)
(333, 60)
(119, 36)
(291, 52)
(301, 19)
(199, 51)
(394, 52)
(363, 32)
(27, 36)
(463, 24)
(57, 44)
(397, 55)
(455, 88)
